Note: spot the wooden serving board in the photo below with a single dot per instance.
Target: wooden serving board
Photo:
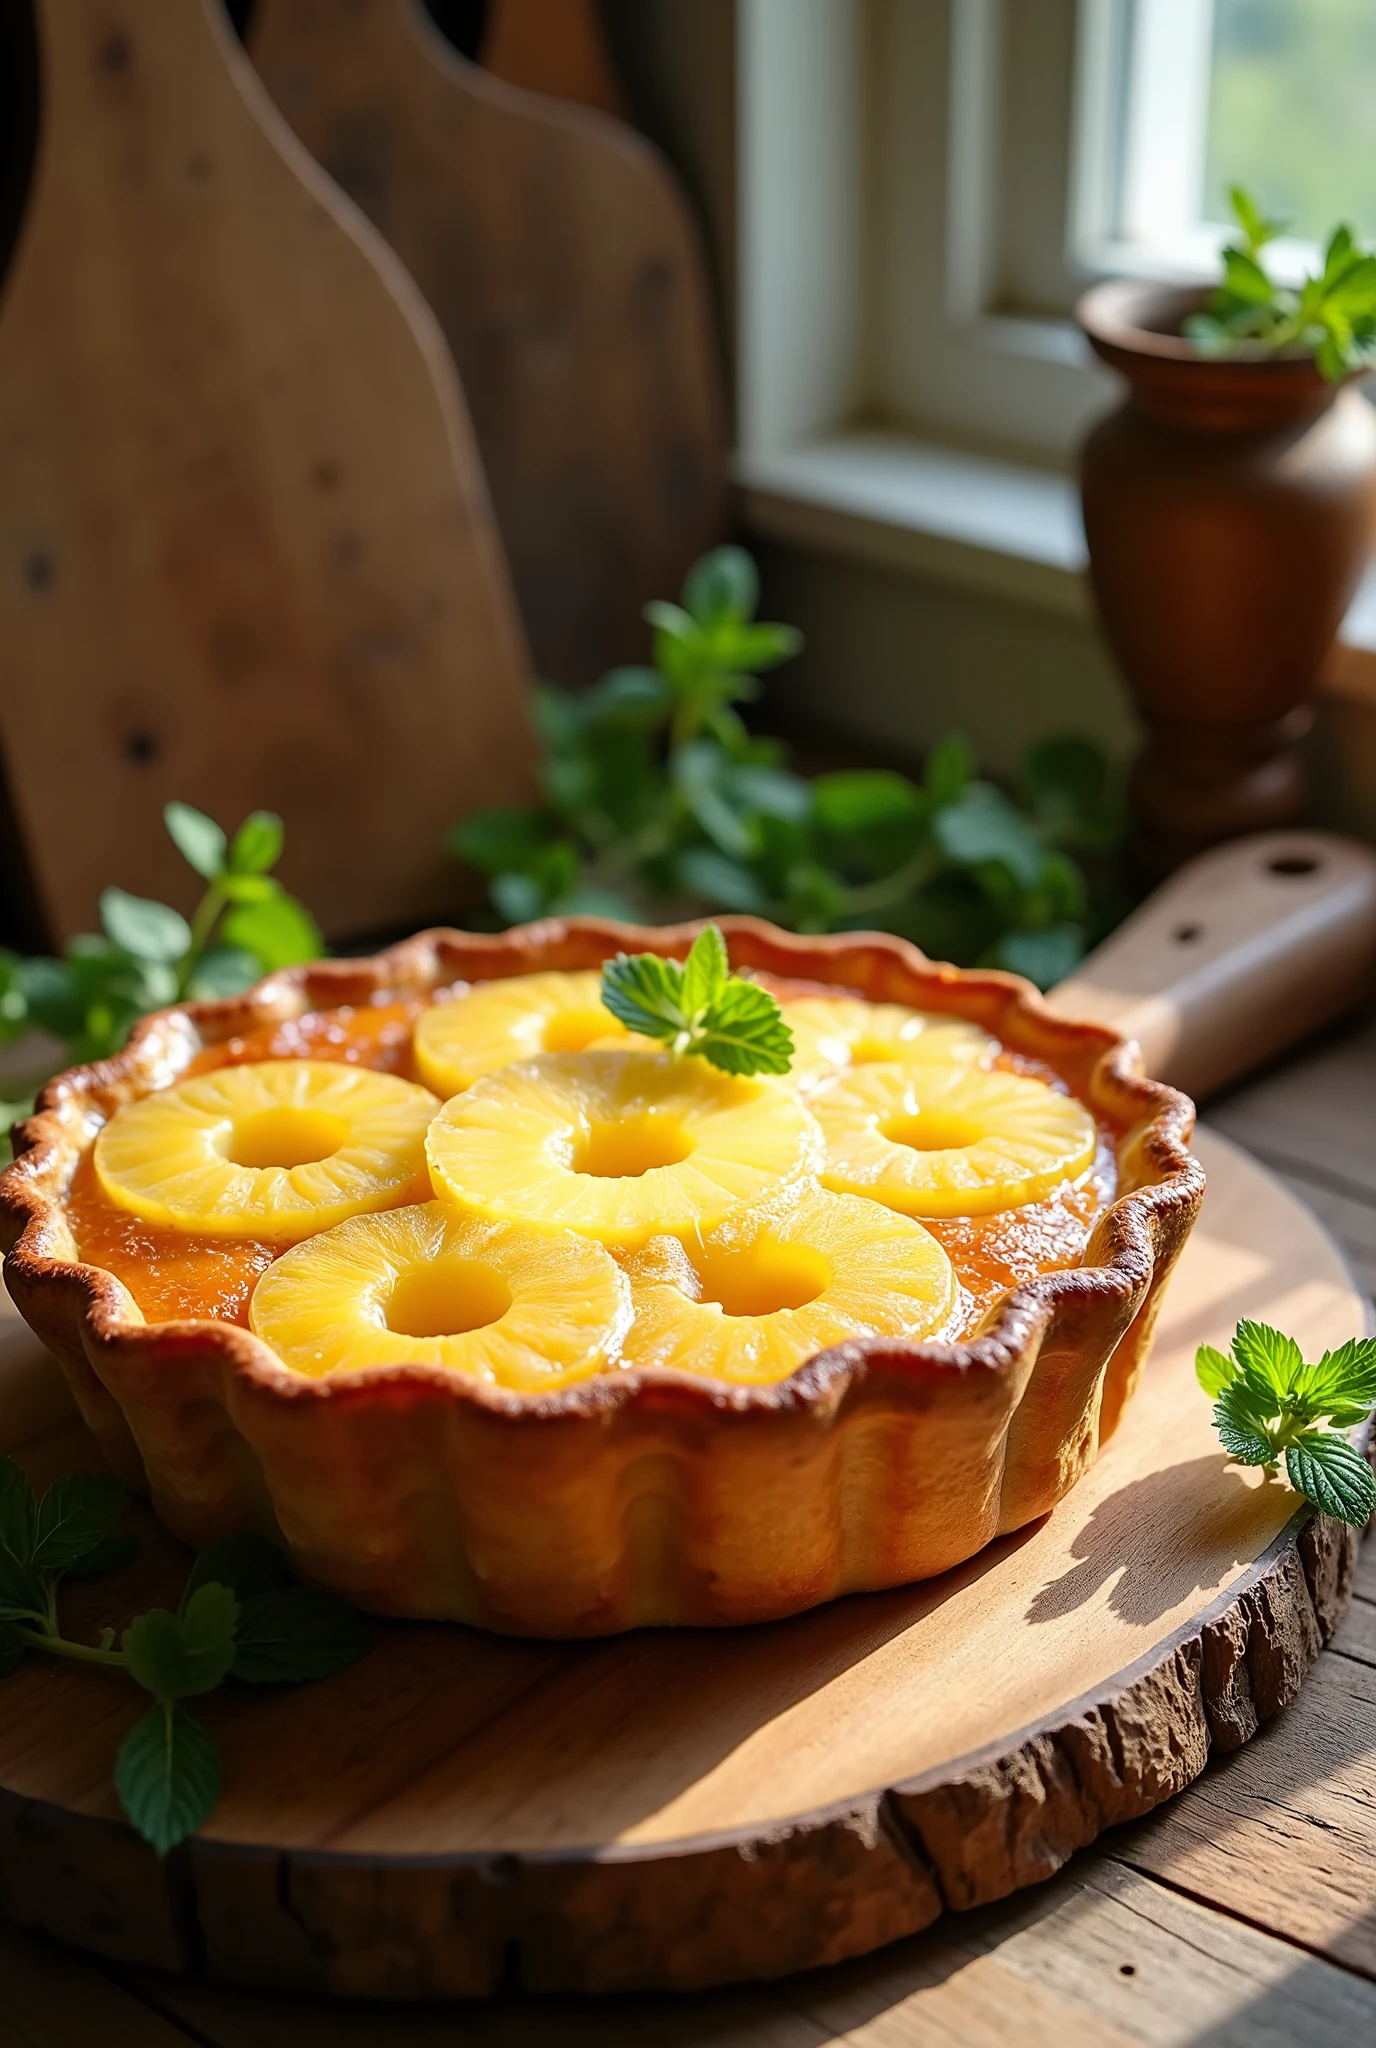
(688, 1808)
(566, 271)
(246, 551)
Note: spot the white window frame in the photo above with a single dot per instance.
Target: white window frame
(887, 409)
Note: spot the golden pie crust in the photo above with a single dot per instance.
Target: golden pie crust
(645, 1496)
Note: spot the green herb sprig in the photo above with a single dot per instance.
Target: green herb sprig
(700, 1007)
(147, 954)
(241, 1616)
(1268, 1405)
(1333, 315)
(659, 804)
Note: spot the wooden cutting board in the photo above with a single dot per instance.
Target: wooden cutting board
(687, 1808)
(248, 556)
(682, 1808)
(563, 266)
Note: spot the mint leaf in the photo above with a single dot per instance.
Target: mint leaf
(224, 971)
(257, 844)
(109, 1556)
(175, 1656)
(279, 933)
(863, 800)
(295, 1634)
(74, 1517)
(198, 839)
(1346, 1376)
(1214, 1370)
(1241, 1428)
(706, 972)
(1327, 1470)
(248, 1565)
(150, 931)
(744, 1032)
(1272, 1362)
(645, 993)
(13, 1649)
(167, 1775)
(18, 1512)
(723, 584)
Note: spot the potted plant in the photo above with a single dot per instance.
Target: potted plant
(1227, 506)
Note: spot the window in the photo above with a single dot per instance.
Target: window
(924, 189)
(1178, 99)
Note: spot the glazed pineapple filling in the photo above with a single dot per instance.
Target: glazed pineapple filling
(576, 1204)
(774, 1285)
(496, 1022)
(619, 1144)
(429, 1285)
(277, 1150)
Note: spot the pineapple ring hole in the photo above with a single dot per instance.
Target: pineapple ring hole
(622, 1148)
(931, 1131)
(762, 1278)
(871, 1052)
(446, 1299)
(576, 1030)
(285, 1137)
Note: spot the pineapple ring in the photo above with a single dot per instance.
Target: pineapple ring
(619, 1145)
(939, 1141)
(497, 1022)
(430, 1285)
(773, 1285)
(273, 1149)
(832, 1034)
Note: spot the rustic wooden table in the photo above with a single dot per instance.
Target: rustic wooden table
(1242, 1915)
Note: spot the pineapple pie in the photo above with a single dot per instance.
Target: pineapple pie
(569, 1298)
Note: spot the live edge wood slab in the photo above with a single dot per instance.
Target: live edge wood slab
(691, 1808)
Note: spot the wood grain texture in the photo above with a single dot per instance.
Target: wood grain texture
(1099, 1955)
(248, 557)
(552, 46)
(684, 1809)
(563, 266)
(1243, 951)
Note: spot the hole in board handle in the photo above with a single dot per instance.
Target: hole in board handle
(1292, 864)
(1187, 934)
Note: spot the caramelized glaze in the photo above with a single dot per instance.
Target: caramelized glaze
(172, 1276)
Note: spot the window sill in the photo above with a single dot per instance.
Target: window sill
(973, 522)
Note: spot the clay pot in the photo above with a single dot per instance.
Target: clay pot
(1228, 507)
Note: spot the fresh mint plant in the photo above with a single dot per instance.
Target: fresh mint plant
(1270, 1405)
(241, 1616)
(147, 954)
(658, 803)
(700, 1007)
(1331, 316)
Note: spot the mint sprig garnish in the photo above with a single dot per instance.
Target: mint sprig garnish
(700, 1007)
(242, 1615)
(1269, 1404)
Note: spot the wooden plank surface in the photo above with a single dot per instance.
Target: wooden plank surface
(1105, 1953)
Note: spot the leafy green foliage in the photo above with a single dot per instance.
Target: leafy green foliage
(658, 803)
(167, 1775)
(242, 1615)
(146, 954)
(1331, 317)
(1268, 1404)
(700, 1007)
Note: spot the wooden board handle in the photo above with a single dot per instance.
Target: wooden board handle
(1239, 954)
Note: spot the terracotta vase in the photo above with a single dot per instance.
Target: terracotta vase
(1228, 511)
